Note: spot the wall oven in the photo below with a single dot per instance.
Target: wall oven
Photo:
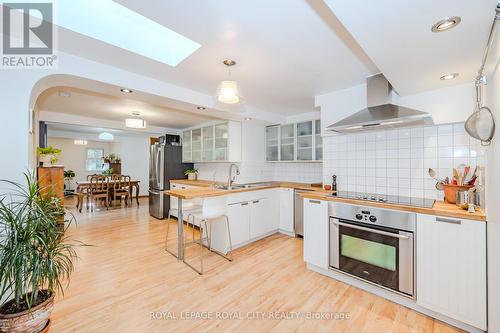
(373, 244)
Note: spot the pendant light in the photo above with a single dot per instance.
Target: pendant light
(228, 91)
(135, 122)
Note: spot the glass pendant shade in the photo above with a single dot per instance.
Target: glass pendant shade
(228, 92)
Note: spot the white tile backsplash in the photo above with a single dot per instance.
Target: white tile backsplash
(396, 161)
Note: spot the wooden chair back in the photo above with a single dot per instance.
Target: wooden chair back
(90, 176)
(98, 184)
(121, 183)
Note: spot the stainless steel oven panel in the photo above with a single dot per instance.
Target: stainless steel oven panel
(406, 264)
(334, 243)
(406, 247)
(385, 217)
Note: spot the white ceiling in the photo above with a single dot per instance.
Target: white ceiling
(286, 52)
(397, 36)
(117, 107)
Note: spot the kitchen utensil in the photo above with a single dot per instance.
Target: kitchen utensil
(460, 170)
(450, 191)
(466, 173)
(462, 199)
(455, 175)
(439, 186)
(433, 175)
(481, 125)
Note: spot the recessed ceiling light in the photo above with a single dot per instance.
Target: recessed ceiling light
(126, 91)
(201, 108)
(450, 76)
(81, 142)
(446, 24)
(248, 118)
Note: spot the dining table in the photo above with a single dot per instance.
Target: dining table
(82, 185)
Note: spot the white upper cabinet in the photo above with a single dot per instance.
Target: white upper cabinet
(214, 143)
(272, 143)
(294, 142)
(287, 142)
(451, 268)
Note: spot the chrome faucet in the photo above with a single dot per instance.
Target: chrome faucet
(230, 178)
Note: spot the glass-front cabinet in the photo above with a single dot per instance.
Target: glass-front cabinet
(294, 142)
(305, 141)
(318, 141)
(186, 148)
(272, 143)
(208, 143)
(196, 144)
(287, 142)
(219, 142)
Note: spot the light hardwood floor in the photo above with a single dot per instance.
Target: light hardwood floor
(126, 275)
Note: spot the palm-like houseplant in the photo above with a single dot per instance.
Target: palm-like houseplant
(35, 257)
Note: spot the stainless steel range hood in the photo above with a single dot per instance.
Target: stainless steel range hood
(380, 113)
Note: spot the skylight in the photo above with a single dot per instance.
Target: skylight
(117, 25)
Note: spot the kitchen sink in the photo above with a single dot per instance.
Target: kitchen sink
(243, 186)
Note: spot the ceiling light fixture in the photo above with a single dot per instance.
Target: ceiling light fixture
(228, 91)
(450, 76)
(135, 122)
(106, 136)
(126, 91)
(201, 108)
(446, 24)
(80, 142)
(248, 118)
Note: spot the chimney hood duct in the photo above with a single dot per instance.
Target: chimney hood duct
(380, 113)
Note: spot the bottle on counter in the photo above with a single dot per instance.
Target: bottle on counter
(334, 184)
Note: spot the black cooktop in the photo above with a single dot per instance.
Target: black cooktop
(391, 199)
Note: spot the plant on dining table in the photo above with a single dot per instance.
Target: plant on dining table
(35, 256)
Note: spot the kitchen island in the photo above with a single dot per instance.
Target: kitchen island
(266, 219)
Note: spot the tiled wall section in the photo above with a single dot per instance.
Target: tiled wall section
(294, 172)
(395, 161)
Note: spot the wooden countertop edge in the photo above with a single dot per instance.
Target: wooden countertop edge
(275, 184)
(440, 208)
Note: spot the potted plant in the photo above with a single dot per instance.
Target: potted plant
(114, 162)
(48, 156)
(107, 172)
(192, 174)
(35, 257)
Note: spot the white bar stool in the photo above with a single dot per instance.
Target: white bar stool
(213, 208)
(188, 208)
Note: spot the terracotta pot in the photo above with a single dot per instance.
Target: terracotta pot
(450, 191)
(34, 321)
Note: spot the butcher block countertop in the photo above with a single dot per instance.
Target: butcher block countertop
(440, 208)
(206, 188)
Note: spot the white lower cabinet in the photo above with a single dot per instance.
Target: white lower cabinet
(316, 232)
(286, 210)
(251, 215)
(451, 268)
(239, 222)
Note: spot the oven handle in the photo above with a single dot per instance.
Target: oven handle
(385, 233)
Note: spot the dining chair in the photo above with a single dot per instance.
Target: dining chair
(99, 189)
(121, 188)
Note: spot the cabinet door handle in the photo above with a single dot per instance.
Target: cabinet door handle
(244, 203)
(256, 201)
(315, 201)
(454, 221)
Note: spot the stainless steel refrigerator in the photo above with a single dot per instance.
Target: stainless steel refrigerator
(165, 163)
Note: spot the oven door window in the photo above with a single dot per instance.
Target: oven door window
(371, 256)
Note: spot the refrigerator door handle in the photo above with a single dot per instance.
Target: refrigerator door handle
(161, 167)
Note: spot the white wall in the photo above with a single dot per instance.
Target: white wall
(134, 152)
(492, 94)
(73, 156)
